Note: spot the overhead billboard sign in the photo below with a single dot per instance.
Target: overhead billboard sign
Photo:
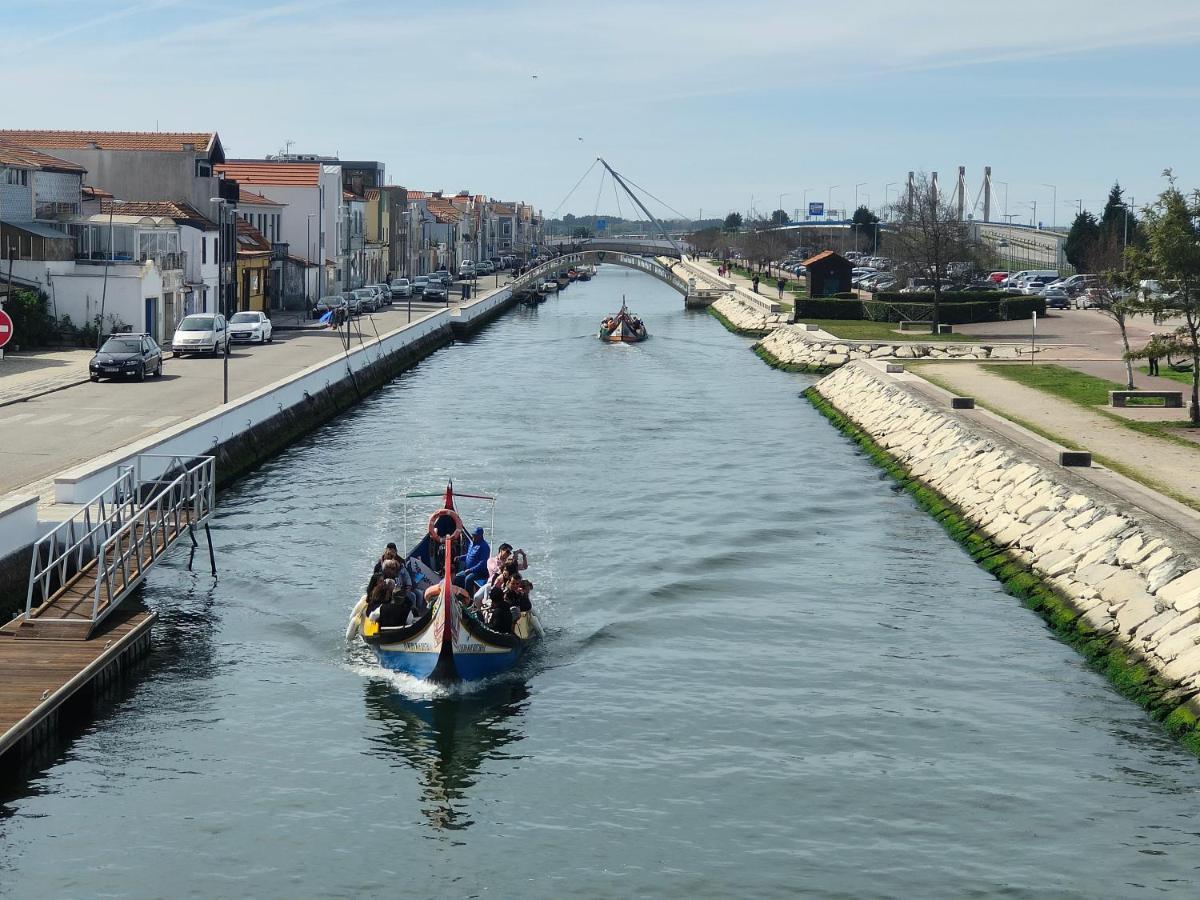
(816, 209)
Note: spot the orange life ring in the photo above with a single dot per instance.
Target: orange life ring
(436, 518)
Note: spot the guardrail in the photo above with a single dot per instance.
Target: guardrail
(118, 525)
(186, 501)
(74, 543)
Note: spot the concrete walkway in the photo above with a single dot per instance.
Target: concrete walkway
(1160, 463)
(28, 374)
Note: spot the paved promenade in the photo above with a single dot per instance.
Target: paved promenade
(53, 431)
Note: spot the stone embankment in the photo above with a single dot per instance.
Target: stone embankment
(1120, 585)
(796, 348)
(746, 316)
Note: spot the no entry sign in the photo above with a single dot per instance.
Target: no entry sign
(6, 328)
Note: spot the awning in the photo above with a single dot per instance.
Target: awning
(37, 229)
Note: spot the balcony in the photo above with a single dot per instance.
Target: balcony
(166, 260)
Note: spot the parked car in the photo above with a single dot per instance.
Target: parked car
(444, 276)
(401, 287)
(466, 269)
(1035, 287)
(435, 290)
(998, 277)
(1057, 298)
(128, 355)
(383, 294)
(483, 268)
(325, 304)
(418, 284)
(250, 327)
(368, 301)
(886, 283)
(201, 333)
(353, 302)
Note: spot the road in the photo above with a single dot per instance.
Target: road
(47, 434)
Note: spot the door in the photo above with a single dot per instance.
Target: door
(152, 315)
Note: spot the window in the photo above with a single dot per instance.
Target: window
(203, 250)
(203, 169)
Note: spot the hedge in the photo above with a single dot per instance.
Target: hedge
(959, 313)
(32, 323)
(947, 297)
(824, 308)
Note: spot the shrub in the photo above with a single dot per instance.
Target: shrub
(825, 308)
(947, 296)
(32, 324)
(958, 313)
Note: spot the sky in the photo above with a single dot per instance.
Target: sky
(711, 107)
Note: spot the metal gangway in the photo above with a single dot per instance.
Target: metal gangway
(86, 566)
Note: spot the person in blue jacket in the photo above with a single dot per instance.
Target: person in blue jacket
(474, 564)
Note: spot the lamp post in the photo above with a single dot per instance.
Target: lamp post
(890, 184)
(780, 206)
(224, 247)
(1053, 206)
(112, 205)
(308, 252)
(856, 187)
(829, 200)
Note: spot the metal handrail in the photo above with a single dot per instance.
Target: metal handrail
(193, 491)
(76, 553)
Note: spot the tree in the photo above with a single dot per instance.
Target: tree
(780, 217)
(1172, 256)
(1116, 296)
(929, 240)
(1081, 240)
(867, 222)
(1118, 223)
(733, 221)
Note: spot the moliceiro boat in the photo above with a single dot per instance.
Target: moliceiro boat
(444, 639)
(623, 328)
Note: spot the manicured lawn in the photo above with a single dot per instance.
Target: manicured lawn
(1165, 371)
(1085, 390)
(853, 330)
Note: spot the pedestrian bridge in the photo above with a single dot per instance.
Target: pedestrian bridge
(696, 292)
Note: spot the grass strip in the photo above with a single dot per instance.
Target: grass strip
(1131, 677)
(866, 330)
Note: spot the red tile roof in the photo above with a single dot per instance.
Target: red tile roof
(176, 141)
(95, 193)
(283, 174)
(443, 211)
(22, 157)
(504, 209)
(824, 254)
(253, 199)
(170, 209)
(250, 240)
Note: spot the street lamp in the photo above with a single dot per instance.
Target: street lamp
(780, 206)
(890, 184)
(1054, 206)
(309, 253)
(112, 205)
(856, 187)
(224, 246)
(804, 202)
(829, 200)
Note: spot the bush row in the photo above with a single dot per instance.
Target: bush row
(947, 297)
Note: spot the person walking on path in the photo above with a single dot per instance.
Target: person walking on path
(756, 284)
(1151, 360)
(781, 284)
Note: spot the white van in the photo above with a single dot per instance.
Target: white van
(1017, 279)
(201, 333)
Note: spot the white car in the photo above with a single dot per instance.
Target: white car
(466, 269)
(401, 287)
(250, 327)
(201, 333)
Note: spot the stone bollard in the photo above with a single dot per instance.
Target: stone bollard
(962, 402)
(1080, 458)
(893, 368)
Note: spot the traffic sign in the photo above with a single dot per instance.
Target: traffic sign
(816, 209)
(601, 224)
(6, 328)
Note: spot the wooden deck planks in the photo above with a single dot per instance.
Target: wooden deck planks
(30, 668)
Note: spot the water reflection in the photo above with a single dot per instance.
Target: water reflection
(446, 739)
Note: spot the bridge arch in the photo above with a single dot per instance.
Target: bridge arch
(691, 291)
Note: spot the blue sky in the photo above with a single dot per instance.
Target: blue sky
(705, 104)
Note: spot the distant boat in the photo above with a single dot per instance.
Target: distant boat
(623, 328)
(447, 643)
(549, 286)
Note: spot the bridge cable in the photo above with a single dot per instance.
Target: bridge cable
(663, 202)
(599, 191)
(572, 191)
(617, 197)
(642, 206)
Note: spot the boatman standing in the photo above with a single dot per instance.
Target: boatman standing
(474, 564)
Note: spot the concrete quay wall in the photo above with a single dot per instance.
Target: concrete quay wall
(1125, 585)
(798, 348)
(743, 315)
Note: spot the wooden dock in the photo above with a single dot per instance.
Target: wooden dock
(37, 677)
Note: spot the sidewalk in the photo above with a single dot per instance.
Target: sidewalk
(1160, 463)
(32, 374)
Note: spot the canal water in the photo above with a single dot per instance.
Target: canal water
(767, 673)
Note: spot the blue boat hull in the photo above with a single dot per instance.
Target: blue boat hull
(468, 666)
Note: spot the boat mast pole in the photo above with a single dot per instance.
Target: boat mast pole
(621, 181)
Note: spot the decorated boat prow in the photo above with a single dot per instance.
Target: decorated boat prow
(623, 328)
(443, 640)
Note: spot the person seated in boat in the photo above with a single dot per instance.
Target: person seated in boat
(393, 613)
(474, 564)
(496, 613)
(517, 594)
(390, 552)
(381, 594)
